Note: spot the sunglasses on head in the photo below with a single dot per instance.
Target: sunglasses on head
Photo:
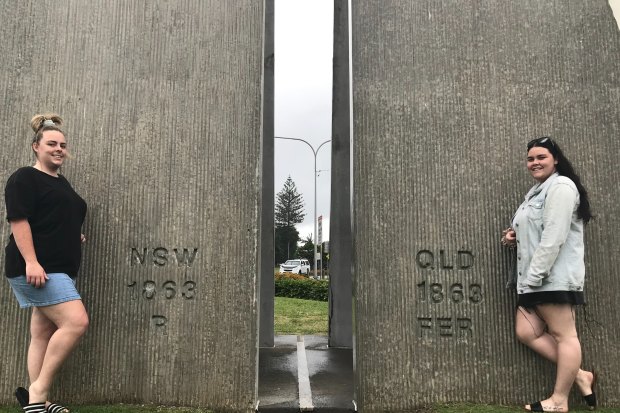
(544, 141)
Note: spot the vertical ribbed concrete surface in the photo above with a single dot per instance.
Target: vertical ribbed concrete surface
(446, 95)
(162, 103)
(340, 283)
(267, 236)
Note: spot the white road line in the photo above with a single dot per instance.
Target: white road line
(303, 377)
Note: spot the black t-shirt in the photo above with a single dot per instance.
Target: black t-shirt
(55, 213)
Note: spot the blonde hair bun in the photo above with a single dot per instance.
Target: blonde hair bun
(37, 121)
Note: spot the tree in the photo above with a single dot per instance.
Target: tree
(307, 251)
(285, 244)
(289, 211)
(289, 206)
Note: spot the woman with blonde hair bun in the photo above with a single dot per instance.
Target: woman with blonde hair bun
(43, 257)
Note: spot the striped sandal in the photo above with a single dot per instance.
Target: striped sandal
(34, 408)
(23, 396)
(56, 408)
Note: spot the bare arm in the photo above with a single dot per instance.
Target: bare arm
(35, 274)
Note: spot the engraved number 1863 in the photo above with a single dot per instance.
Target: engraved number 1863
(457, 293)
(168, 290)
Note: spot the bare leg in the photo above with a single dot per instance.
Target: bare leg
(41, 330)
(71, 321)
(560, 320)
(530, 330)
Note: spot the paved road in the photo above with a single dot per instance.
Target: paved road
(330, 374)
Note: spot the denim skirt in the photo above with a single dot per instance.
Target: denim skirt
(58, 289)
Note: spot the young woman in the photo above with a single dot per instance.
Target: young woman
(547, 232)
(43, 257)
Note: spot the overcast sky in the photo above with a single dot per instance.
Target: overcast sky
(303, 88)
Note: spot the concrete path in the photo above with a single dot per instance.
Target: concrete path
(300, 373)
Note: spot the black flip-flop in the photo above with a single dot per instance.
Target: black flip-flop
(590, 399)
(23, 397)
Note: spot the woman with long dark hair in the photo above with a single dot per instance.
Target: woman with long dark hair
(547, 232)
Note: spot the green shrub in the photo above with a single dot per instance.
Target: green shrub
(290, 276)
(306, 289)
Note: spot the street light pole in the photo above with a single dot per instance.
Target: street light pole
(315, 152)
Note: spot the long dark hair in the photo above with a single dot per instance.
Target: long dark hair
(565, 168)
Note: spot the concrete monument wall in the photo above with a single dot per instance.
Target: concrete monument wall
(267, 240)
(446, 94)
(162, 103)
(340, 283)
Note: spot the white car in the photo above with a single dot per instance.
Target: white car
(297, 266)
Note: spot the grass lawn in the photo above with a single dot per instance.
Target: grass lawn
(296, 316)
(120, 408)
(448, 408)
(480, 408)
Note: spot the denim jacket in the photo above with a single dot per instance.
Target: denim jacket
(550, 251)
